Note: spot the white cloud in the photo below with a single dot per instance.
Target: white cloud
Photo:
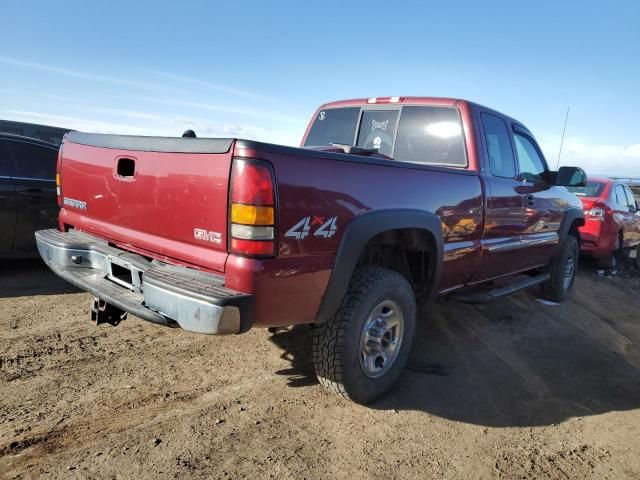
(605, 159)
(276, 126)
(214, 86)
(232, 109)
(84, 75)
(160, 125)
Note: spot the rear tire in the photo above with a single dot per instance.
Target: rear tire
(563, 272)
(360, 353)
(612, 261)
(636, 259)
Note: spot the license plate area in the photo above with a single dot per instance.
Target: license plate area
(124, 274)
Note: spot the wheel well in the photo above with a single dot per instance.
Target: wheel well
(408, 251)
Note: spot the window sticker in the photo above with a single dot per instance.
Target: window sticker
(324, 229)
(379, 125)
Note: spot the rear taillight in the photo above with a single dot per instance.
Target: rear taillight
(252, 208)
(58, 183)
(597, 212)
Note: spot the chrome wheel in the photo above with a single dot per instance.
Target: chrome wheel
(569, 272)
(381, 338)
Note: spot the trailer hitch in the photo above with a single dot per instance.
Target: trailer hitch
(103, 312)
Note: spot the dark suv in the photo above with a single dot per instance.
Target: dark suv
(27, 193)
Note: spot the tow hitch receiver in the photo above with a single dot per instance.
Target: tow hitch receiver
(103, 312)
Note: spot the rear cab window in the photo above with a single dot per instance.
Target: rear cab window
(430, 135)
(593, 189)
(377, 130)
(333, 126)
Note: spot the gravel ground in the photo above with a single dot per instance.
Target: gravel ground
(515, 389)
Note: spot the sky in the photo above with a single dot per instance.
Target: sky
(259, 69)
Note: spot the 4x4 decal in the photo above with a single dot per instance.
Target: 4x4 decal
(301, 230)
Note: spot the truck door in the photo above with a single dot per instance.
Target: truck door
(7, 207)
(543, 204)
(634, 214)
(35, 192)
(504, 225)
(624, 217)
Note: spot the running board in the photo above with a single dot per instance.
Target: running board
(488, 296)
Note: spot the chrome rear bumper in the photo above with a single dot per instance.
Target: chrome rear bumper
(154, 291)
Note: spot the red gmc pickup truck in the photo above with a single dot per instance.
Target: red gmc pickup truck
(389, 201)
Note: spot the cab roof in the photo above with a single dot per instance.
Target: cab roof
(411, 100)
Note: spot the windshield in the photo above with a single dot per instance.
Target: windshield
(418, 134)
(593, 189)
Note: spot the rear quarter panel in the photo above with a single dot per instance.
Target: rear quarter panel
(322, 189)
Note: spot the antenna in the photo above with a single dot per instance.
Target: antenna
(564, 129)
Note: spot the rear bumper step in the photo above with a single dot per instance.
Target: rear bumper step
(154, 291)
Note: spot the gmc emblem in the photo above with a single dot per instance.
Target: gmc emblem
(207, 236)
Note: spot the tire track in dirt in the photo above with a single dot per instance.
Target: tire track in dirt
(541, 462)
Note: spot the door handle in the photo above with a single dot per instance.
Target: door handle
(531, 201)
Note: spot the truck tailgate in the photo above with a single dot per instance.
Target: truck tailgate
(164, 196)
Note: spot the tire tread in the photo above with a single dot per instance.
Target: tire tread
(329, 338)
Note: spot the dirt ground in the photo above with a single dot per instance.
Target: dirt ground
(515, 389)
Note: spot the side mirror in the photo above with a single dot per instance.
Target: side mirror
(571, 177)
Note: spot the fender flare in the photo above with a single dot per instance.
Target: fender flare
(356, 236)
(570, 217)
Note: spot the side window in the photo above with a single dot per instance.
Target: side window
(631, 200)
(6, 162)
(33, 161)
(501, 160)
(620, 197)
(531, 164)
(626, 197)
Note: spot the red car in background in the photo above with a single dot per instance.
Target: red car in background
(612, 226)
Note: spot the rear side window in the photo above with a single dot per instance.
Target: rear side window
(501, 160)
(333, 125)
(631, 200)
(48, 136)
(430, 135)
(12, 130)
(377, 129)
(531, 164)
(593, 189)
(619, 196)
(624, 197)
(33, 161)
(6, 162)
